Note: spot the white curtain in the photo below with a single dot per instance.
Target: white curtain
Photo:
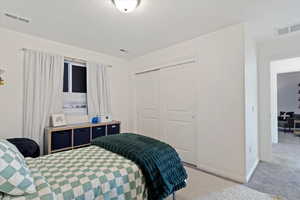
(98, 90)
(43, 88)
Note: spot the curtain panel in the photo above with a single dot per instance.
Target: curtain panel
(43, 86)
(98, 90)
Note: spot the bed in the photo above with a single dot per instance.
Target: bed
(84, 174)
(119, 167)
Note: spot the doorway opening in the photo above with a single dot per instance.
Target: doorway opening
(285, 112)
(281, 174)
(286, 142)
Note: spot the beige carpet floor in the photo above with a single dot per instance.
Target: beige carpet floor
(203, 186)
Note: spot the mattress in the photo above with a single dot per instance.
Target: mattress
(85, 174)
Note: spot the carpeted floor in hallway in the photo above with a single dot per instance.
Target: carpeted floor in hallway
(282, 175)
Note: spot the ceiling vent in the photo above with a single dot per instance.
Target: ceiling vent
(15, 17)
(288, 29)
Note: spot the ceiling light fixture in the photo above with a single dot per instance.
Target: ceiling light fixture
(126, 6)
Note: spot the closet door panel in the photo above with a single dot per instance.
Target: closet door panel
(147, 99)
(178, 109)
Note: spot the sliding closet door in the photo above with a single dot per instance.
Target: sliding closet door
(178, 109)
(166, 106)
(148, 107)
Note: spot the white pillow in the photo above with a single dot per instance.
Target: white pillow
(15, 176)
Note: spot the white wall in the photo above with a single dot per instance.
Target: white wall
(11, 94)
(225, 81)
(287, 92)
(275, 49)
(221, 97)
(251, 104)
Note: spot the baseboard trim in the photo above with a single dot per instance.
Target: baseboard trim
(222, 173)
(249, 175)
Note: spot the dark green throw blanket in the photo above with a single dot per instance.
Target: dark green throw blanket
(159, 162)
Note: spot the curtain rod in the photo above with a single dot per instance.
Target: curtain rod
(75, 60)
(167, 66)
(71, 59)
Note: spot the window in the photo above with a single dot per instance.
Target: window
(75, 89)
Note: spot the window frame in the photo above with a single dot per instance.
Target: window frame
(70, 86)
(70, 78)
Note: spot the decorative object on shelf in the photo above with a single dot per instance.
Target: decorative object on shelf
(2, 77)
(58, 120)
(96, 120)
(105, 118)
(126, 6)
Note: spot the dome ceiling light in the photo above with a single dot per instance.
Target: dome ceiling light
(126, 6)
